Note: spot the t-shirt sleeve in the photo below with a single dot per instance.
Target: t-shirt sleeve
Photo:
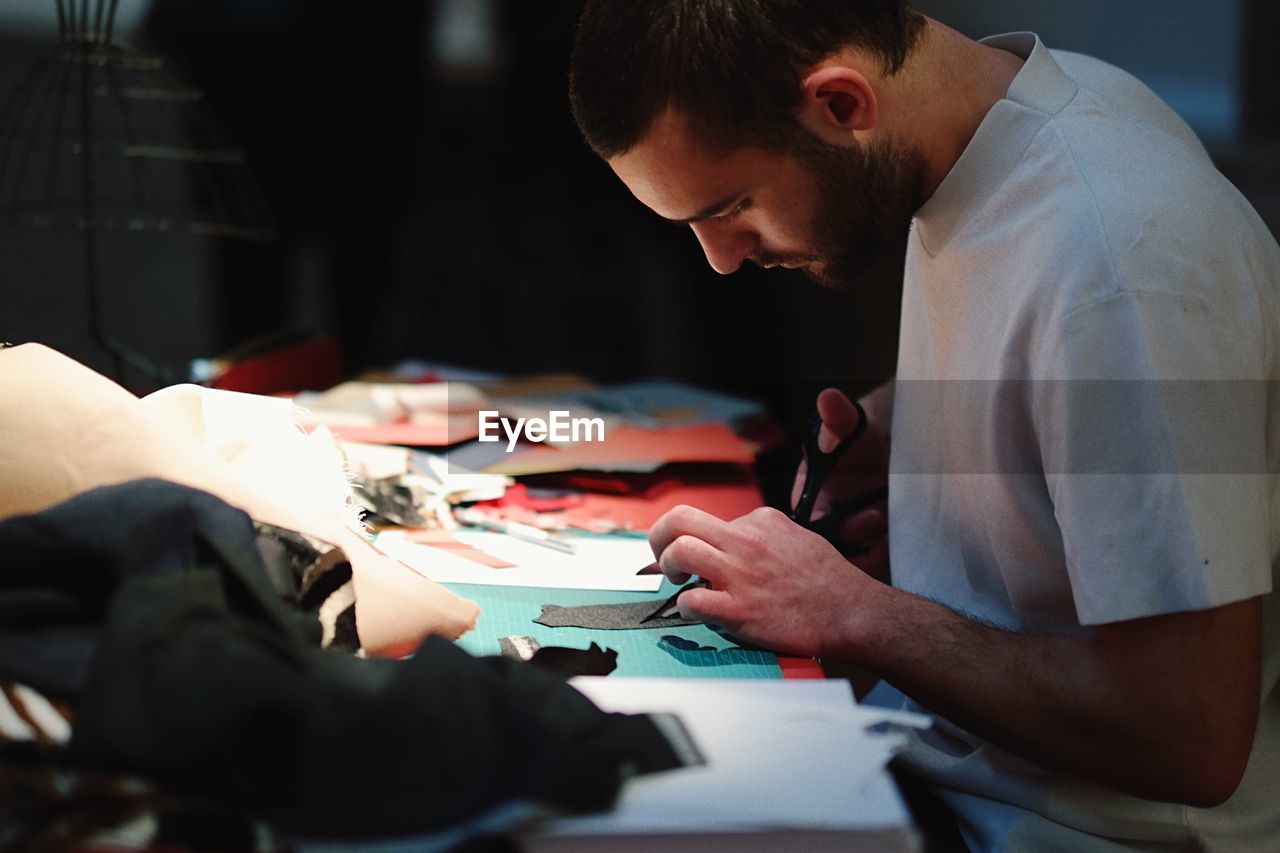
(1150, 412)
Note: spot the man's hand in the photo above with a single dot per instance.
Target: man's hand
(863, 468)
(774, 583)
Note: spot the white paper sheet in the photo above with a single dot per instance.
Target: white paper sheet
(599, 562)
(780, 755)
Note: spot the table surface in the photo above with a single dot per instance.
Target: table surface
(692, 651)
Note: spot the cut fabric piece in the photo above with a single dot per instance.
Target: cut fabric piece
(391, 500)
(287, 555)
(570, 663)
(565, 662)
(518, 647)
(671, 607)
(314, 577)
(260, 441)
(609, 617)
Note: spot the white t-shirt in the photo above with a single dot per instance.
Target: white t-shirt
(1087, 423)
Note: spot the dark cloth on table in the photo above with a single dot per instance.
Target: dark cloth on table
(148, 606)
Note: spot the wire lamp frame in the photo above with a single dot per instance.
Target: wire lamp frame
(99, 138)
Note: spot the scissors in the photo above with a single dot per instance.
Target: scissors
(671, 607)
(819, 466)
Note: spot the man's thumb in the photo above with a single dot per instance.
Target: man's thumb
(839, 418)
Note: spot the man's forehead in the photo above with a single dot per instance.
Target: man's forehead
(671, 136)
(671, 127)
(676, 175)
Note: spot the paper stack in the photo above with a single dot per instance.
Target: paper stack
(789, 766)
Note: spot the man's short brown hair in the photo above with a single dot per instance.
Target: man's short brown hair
(733, 67)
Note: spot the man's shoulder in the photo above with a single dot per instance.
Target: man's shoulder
(1118, 170)
(1126, 148)
(1114, 197)
(1106, 89)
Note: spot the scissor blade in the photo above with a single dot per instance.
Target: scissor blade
(671, 606)
(666, 610)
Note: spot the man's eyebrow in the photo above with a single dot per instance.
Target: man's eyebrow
(708, 212)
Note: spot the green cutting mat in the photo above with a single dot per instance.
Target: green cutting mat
(693, 651)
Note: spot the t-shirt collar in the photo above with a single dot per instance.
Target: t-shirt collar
(1039, 91)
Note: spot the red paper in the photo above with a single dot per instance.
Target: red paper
(635, 502)
(626, 447)
(727, 500)
(441, 539)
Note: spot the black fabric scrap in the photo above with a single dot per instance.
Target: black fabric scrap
(391, 500)
(560, 660)
(607, 617)
(329, 573)
(568, 663)
(286, 555)
(617, 617)
(148, 605)
(307, 577)
(670, 607)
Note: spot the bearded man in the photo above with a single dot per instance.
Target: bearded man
(1081, 442)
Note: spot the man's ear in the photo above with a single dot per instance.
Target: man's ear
(838, 100)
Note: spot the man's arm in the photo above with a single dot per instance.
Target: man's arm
(1164, 708)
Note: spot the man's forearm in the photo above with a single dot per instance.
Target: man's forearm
(1107, 707)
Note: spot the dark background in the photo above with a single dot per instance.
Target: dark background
(434, 200)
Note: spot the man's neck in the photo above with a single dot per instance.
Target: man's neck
(946, 90)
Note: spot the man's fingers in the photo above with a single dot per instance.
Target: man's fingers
(707, 605)
(864, 527)
(839, 418)
(687, 521)
(688, 556)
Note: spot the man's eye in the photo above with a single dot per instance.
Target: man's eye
(736, 212)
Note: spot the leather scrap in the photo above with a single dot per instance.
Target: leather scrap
(609, 617)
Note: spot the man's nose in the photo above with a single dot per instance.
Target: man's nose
(726, 245)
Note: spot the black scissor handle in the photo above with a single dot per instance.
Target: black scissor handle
(828, 527)
(819, 464)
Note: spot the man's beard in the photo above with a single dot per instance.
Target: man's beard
(866, 199)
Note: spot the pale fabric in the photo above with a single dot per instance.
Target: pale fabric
(1085, 235)
(258, 437)
(65, 429)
